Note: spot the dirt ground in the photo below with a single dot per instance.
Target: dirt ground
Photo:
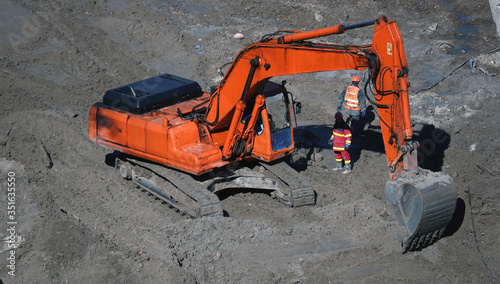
(79, 222)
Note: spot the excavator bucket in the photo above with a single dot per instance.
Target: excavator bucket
(425, 202)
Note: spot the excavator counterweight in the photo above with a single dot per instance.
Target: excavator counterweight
(184, 146)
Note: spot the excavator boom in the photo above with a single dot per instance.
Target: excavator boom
(168, 121)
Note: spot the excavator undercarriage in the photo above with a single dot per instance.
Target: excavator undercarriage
(197, 197)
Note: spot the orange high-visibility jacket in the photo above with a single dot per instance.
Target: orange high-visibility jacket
(351, 98)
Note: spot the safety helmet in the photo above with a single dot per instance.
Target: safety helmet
(338, 116)
(355, 79)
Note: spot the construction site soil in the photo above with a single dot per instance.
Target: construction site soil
(78, 221)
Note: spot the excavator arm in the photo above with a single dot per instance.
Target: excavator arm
(424, 200)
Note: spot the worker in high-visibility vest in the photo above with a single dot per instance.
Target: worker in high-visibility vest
(341, 141)
(355, 104)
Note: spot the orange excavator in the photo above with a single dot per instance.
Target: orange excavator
(186, 146)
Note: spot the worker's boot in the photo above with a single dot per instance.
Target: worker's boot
(338, 166)
(348, 168)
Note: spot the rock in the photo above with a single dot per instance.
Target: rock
(239, 36)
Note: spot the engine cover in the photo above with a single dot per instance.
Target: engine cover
(152, 93)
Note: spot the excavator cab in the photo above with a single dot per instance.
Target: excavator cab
(274, 128)
(278, 107)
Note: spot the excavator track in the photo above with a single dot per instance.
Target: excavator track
(301, 192)
(178, 190)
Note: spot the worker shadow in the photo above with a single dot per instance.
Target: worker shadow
(370, 138)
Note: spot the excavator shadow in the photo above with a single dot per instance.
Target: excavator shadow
(433, 143)
(312, 139)
(457, 219)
